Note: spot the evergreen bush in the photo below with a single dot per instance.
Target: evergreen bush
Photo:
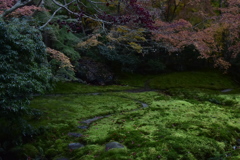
(24, 71)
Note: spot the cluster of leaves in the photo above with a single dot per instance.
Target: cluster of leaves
(61, 66)
(59, 56)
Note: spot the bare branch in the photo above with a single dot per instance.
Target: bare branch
(40, 3)
(65, 7)
(84, 15)
(49, 20)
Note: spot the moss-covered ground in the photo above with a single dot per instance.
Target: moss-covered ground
(187, 118)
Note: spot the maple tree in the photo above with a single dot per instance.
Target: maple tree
(218, 40)
(229, 20)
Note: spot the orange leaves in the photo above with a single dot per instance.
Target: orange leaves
(179, 34)
(91, 42)
(221, 63)
(59, 56)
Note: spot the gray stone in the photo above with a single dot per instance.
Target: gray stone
(83, 127)
(94, 94)
(88, 121)
(94, 72)
(226, 90)
(112, 145)
(75, 145)
(144, 105)
(75, 134)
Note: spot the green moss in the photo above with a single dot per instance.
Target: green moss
(51, 152)
(207, 79)
(135, 80)
(70, 87)
(30, 150)
(180, 123)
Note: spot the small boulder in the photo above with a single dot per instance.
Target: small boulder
(226, 90)
(75, 134)
(82, 127)
(94, 72)
(75, 145)
(144, 105)
(88, 121)
(112, 145)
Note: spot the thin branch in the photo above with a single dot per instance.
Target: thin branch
(84, 15)
(18, 4)
(65, 7)
(49, 20)
(40, 3)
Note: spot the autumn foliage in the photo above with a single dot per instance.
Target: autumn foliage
(24, 11)
(218, 40)
(212, 27)
(61, 57)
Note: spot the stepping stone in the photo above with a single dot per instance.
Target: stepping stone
(94, 94)
(108, 115)
(144, 105)
(88, 121)
(112, 145)
(83, 127)
(75, 134)
(226, 90)
(75, 145)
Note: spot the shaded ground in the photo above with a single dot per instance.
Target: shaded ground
(177, 116)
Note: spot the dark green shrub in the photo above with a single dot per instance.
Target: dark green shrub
(24, 71)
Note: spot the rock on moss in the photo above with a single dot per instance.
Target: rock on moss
(74, 134)
(75, 145)
(112, 145)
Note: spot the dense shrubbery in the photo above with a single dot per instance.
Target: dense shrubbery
(24, 71)
(153, 59)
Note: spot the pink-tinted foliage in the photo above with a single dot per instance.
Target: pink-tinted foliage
(24, 11)
(220, 40)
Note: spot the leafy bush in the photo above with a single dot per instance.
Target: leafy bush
(24, 71)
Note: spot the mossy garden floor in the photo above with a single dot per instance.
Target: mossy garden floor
(185, 117)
